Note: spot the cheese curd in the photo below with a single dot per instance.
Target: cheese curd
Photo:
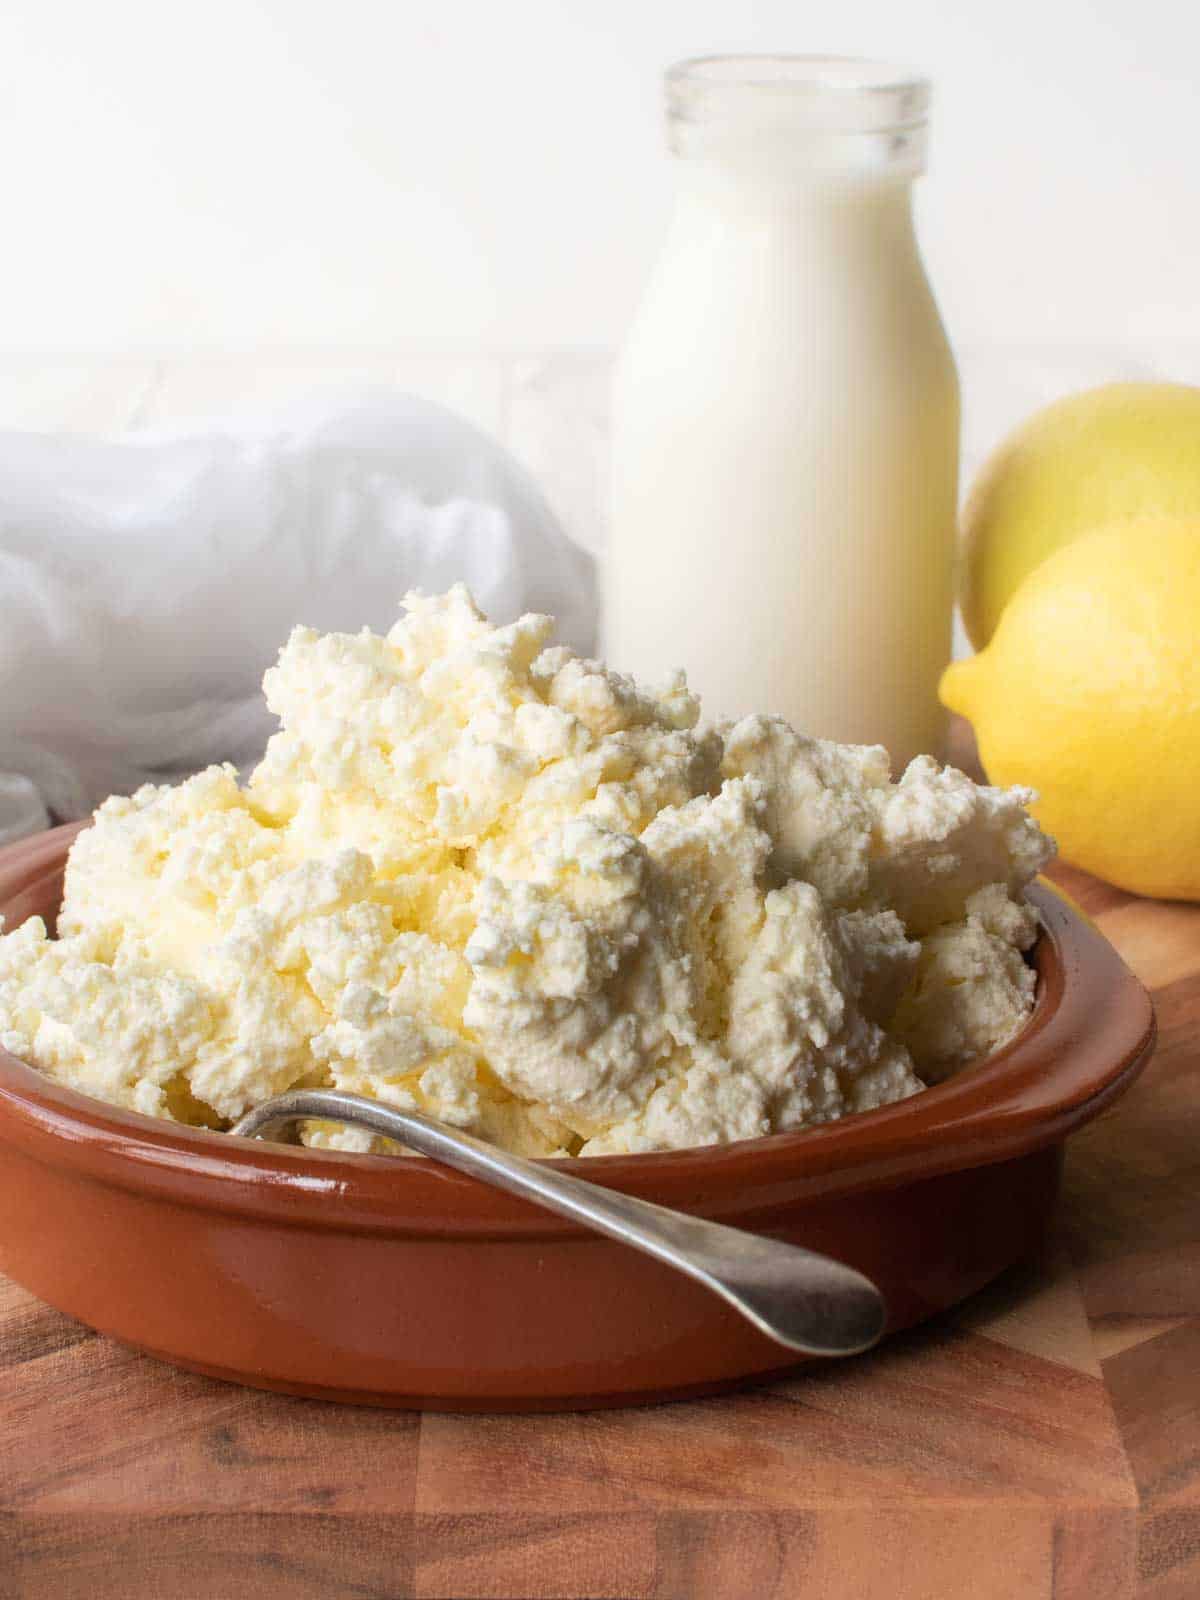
(479, 876)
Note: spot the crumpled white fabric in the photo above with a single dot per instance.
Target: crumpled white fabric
(147, 581)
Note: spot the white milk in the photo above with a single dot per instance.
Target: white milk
(786, 413)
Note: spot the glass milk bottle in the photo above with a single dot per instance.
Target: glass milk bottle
(786, 412)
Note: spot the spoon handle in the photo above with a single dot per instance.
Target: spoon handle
(804, 1301)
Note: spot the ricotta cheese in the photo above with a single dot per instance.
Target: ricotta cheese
(477, 875)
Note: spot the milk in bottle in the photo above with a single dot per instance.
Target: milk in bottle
(786, 412)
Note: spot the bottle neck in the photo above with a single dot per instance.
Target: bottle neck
(837, 202)
(818, 118)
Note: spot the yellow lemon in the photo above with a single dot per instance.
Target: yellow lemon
(1128, 450)
(1090, 692)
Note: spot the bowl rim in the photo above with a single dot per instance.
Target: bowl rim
(1091, 1031)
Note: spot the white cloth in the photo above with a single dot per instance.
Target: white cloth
(147, 582)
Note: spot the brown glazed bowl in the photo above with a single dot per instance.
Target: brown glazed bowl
(395, 1282)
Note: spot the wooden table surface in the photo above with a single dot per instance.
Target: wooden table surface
(1043, 1440)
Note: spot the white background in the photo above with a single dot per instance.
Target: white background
(241, 175)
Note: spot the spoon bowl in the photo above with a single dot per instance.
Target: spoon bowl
(395, 1280)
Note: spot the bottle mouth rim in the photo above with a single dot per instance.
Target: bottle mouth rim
(844, 94)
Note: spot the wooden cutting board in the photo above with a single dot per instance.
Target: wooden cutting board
(1044, 1440)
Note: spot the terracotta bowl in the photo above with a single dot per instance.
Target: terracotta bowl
(394, 1282)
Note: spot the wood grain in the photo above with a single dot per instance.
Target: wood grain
(1044, 1440)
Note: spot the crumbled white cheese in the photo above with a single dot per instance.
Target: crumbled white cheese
(972, 991)
(477, 875)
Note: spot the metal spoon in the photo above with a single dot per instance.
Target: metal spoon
(804, 1301)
